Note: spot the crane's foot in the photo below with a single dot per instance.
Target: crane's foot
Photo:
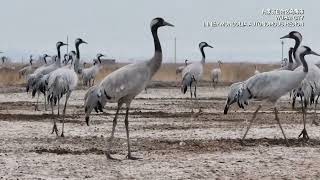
(242, 143)
(129, 156)
(62, 135)
(110, 157)
(304, 134)
(315, 122)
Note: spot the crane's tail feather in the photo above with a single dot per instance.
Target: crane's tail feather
(94, 100)
(243, 96)
(186, 81)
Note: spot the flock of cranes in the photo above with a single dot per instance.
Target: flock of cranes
(60, 78)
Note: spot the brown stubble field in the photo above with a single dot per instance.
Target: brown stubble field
(173, 142)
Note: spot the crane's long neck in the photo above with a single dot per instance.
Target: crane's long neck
(290, 56)
(156, 60)
(290, 64)
(203, 60)
(76, 62)
(295, 56)
(304, 63)
(59, 56)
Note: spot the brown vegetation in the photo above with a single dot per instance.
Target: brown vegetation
(231, 72)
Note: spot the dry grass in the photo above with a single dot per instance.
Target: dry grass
(231, 72)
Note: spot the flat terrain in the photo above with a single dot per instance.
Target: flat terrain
(173, 142)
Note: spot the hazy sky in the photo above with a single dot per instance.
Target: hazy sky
(121, 28)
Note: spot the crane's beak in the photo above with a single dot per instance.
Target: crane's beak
(167, 24)
(64, 44)
(286, 36)
(84, 42)
(209, 46)
(314, 53)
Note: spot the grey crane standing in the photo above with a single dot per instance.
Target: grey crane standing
(62, 82)
(89, 74)
(122, 85)
(192, 74)
(270, 86)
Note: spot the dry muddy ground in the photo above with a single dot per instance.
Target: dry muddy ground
(173, 142)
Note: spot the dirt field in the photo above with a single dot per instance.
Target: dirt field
(172, 142)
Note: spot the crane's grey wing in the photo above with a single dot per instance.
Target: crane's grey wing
(194, 69)
(127, 81)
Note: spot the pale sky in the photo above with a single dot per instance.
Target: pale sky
(121, 28)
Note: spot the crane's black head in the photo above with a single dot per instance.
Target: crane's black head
(59, 44)
(99, 57)
(293, 35)
(204, 44)
(159, 22)
(80, 41)
(305, 50)
(44, 58)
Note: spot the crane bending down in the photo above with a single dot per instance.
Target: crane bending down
(62, 82)
(122, 85)
(270, 86)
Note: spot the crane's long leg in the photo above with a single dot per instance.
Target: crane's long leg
(126, 122)
(64, 112)
(191, 90)
(293, 101)
(45, 102)
(58, 106)
(195, 90)
(277, 119)
(304, 132)
(112, 133)
(54, 128)
(195, 95)
(36, 107)
(314, 121)
(253, 118)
